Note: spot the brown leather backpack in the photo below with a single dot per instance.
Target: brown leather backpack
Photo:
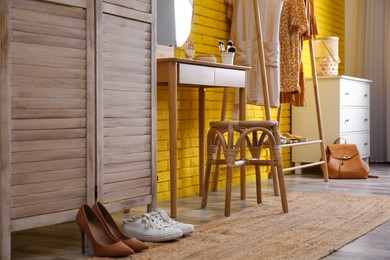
(344, 161)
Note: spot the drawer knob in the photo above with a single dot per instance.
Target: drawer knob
(346, 120)
(346, 94)
(366, 144)
(365, 95)
(365, 119)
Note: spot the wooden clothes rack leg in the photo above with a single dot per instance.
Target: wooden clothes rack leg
(267, 108)
(315, 85)
(319, 120)
(261, 58)
(265, 88)
(318, 109)
(321, 140)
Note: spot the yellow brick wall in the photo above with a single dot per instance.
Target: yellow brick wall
(210, 25)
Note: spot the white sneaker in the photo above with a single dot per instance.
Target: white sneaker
(163, 217)
(147, 228)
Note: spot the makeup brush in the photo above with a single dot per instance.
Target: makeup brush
(232, 49)
(221, 46)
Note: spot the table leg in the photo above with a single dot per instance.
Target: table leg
(242, 117)
(172, 104)
(201, 111)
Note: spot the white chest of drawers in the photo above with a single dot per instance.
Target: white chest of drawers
(345, 107)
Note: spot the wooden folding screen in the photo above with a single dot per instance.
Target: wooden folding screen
(74, 124)
(51, 99)
(47, 113)
(125, 99)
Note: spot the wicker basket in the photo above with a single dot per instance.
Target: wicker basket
(327, 56)
(206, 57)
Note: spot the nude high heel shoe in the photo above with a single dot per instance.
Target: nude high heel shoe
(111, 226)
(102, 242)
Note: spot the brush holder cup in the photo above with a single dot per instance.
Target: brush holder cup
(227, 58)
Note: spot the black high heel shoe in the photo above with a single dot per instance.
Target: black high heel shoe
(103, 244)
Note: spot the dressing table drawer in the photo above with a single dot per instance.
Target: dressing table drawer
(210, 76)
(229, 78)
(195, 75)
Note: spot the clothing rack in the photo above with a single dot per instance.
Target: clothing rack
(267, 108)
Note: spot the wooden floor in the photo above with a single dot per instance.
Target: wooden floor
(62, 242)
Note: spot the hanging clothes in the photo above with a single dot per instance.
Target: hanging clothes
(313, 30)
(290, 95)
(293, 24)
(229, 11)
(244, 35)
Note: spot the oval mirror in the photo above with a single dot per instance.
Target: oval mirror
(174, 21)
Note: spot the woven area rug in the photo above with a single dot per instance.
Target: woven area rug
(317, 224)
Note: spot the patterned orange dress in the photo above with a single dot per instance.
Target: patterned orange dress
(293, 24)
(293, 88)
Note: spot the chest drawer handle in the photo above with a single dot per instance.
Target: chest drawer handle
(346, 94)
(346, 120)
(365, 119)
(365, 95)
(366, 144)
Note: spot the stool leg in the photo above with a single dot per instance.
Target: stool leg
(217, 170)
(228, 195)
(206, 183)
(282, 187)
(274, 180)
(242, 182)
(258, 184)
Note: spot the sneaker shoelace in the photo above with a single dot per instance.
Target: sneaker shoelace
(151, 222)
(162, 216)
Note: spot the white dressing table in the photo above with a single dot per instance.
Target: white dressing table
(177, 72)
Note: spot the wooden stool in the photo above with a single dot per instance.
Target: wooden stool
(255, 135)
